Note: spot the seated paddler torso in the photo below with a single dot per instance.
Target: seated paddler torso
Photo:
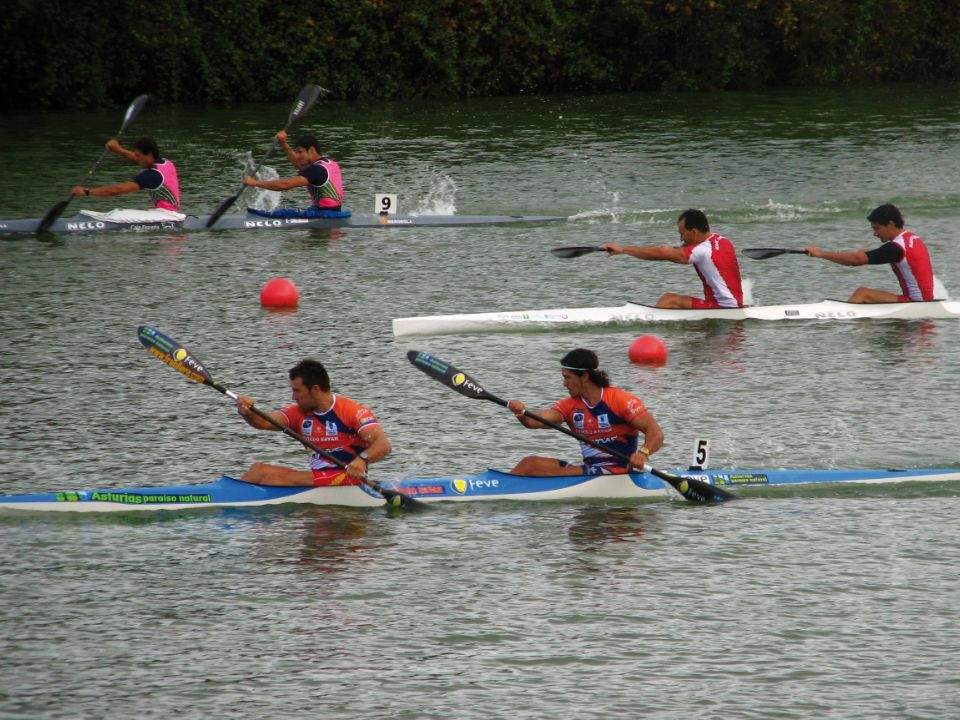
(319, 174)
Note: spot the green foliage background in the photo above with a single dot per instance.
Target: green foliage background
(77, 54)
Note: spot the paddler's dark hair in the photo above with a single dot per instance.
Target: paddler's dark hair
(585, 361)
(311, 372)
(147, 146)
(886, 214)
(694, 219)
(308, 141)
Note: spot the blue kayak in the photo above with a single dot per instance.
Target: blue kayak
(488, 485)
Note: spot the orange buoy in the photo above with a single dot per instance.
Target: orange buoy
(648, 350)
(279, 292)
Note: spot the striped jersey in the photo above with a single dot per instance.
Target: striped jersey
(607, 422)
(716, 263)
(337, 430)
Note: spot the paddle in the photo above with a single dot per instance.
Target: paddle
(180, 359)
(764, 253)
(308, 95)
(57, 210)
(442, 371)
(573, 251)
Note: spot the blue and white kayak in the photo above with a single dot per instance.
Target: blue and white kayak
(86, 225)
(489, 485)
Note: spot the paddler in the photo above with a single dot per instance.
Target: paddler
(158, 177)
(712, 256)
(903, 250)
(318, 173)
(337, 424)
(603, 413)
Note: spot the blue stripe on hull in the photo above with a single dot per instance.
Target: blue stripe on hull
(488, 485)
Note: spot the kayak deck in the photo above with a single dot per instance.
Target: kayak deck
(490, 485)
(636, 313)
(86, 225)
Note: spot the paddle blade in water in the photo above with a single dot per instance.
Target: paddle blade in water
(224, 205)
(575, 251)
(52, 214)
(174, 354)
(444, 372)
(764, 253)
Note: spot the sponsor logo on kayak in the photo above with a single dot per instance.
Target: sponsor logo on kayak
(462, 486)
(262, 223)
(128, 498)
(740, 479)
(839, 314)
(426, 490)
(88, 225)
(68, 497)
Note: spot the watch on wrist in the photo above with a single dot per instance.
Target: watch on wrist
(363, 456)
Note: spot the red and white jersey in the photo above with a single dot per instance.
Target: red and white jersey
(337, 430)
(715, 261)
(608, 422)
(915, 271)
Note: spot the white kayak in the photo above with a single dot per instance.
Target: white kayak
(635, 313)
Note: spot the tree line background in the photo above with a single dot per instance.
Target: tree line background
(64, 54)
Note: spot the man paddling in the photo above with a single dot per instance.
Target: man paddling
(158, 177)
(711, 255)
(318, 173)
(903, 250)
(335, 423)
(601, 412)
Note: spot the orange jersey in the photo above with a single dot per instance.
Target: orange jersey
(337, 431)
(608, 422)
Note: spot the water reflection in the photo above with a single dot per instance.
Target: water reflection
(593, 527)
(334, 538)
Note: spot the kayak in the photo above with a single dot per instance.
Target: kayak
(86, 225)
(485, 486)
(635, 313)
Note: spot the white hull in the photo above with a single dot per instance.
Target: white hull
(634, 313)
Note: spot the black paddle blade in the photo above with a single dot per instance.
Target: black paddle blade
(52, 214)
(444, 372)
(305, 100)
(135, 107)
(764, 253)
(224, 205)
(398, 499)
(174, 354)
(694, 490)
(575, 250)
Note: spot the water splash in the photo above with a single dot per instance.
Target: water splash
(746, 284)
(440, 197)
(259, 198)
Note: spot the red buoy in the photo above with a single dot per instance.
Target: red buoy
(648, 350)
(279, 292)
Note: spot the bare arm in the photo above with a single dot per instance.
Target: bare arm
(113, 145)
(285, 146)
(106, 190)
(378, 447)
(286, 184)
(657, 252)
(652, 438)
(244, 405)
(851, 257)
(518, 408)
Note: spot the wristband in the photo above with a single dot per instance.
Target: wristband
(645, 450)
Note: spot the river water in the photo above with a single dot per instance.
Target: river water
(829, 604)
